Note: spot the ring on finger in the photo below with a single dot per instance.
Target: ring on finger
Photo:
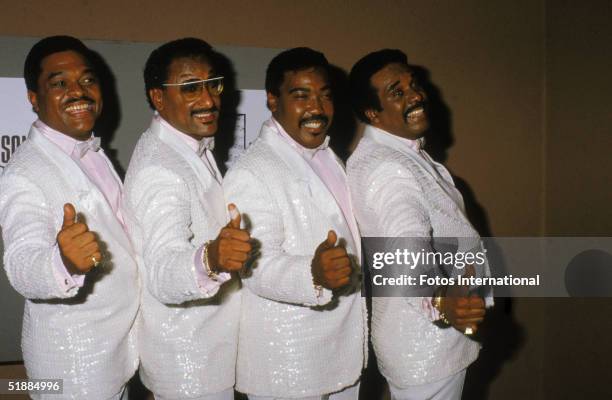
(95, 261)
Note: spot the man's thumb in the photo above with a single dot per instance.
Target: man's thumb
(69, 215)
(234, 216)
(331, 239)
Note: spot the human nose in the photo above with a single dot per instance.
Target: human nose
(205, 97)
(315, 105)
(75, 89)
(415, 96)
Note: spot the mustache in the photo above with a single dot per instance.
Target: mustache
(314, 118)
(413, 107)
(203, 110)
(77, 99)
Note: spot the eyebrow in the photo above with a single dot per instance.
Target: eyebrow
(58, 73)
(301, 89)
(298, 89)
(211, 74)
(392, 86)
(53, 75)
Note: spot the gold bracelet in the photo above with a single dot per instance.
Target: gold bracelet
(437, 302)
(205, 261)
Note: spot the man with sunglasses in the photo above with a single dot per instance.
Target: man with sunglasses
(188, 249)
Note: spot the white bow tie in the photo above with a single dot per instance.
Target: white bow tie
(206, 144)
(91, 144)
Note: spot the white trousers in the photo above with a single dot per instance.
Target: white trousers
(349, 393)
(445, 389)
(224, 395)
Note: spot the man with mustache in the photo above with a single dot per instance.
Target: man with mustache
(399, 191)
(303, 329)
(65, 248)
(187, 246)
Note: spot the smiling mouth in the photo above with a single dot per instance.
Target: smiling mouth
(78, 108)
(205, 116)
(315, 123)
(415, 113)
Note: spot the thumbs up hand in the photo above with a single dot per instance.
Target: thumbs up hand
(229, 251)
(462, 310)
(331, 266)
(78, 246)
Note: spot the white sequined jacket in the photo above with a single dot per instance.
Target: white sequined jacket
(84, 336)
(397, 193)
(293, 343)
(188, 336)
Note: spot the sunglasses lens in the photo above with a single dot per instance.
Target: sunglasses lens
(215, 87)
(193, 90)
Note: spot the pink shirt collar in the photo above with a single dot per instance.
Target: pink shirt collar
(415, 145)
(63, 141)
(198, 146)
(303, 151)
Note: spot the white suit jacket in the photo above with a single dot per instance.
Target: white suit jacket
(397, 193)
(189, 336)
(292, 343)
(83, 336)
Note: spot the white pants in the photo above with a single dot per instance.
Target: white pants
(349, 393)
(445, 389)
(224, 395)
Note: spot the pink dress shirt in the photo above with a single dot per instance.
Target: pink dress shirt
(98, 169)
(203, 148)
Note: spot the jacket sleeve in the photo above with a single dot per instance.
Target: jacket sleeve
(160, 202)
(29, 233)
(396, 199)
(275, 274)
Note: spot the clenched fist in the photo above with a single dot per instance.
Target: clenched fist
(461, 310)
(331, 266)
(78, 246)
(231, 248)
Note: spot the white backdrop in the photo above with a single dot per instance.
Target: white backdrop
(16, 116)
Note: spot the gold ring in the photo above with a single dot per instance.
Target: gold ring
(95, 261)
(468, 331)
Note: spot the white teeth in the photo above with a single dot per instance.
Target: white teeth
(203, 115)
(416, 112)
(78, 107)
(313, 124)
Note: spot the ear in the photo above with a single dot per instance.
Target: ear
(371, 115)
(33, 99)
(157, 98)
(272, 102)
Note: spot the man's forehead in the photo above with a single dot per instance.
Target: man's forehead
(189, 65)
(390, 74)
(295, 77)
(64, 61)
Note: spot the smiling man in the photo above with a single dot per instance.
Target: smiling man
(78, 274)
(399, 191)
(303, 331)
(188, 249)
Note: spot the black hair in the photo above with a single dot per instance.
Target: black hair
(296, 59)
(45, 47)
(363, 94)
(158, 64)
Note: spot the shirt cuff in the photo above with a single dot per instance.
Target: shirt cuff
(209, 284)
(67, 282)
(429, 310)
